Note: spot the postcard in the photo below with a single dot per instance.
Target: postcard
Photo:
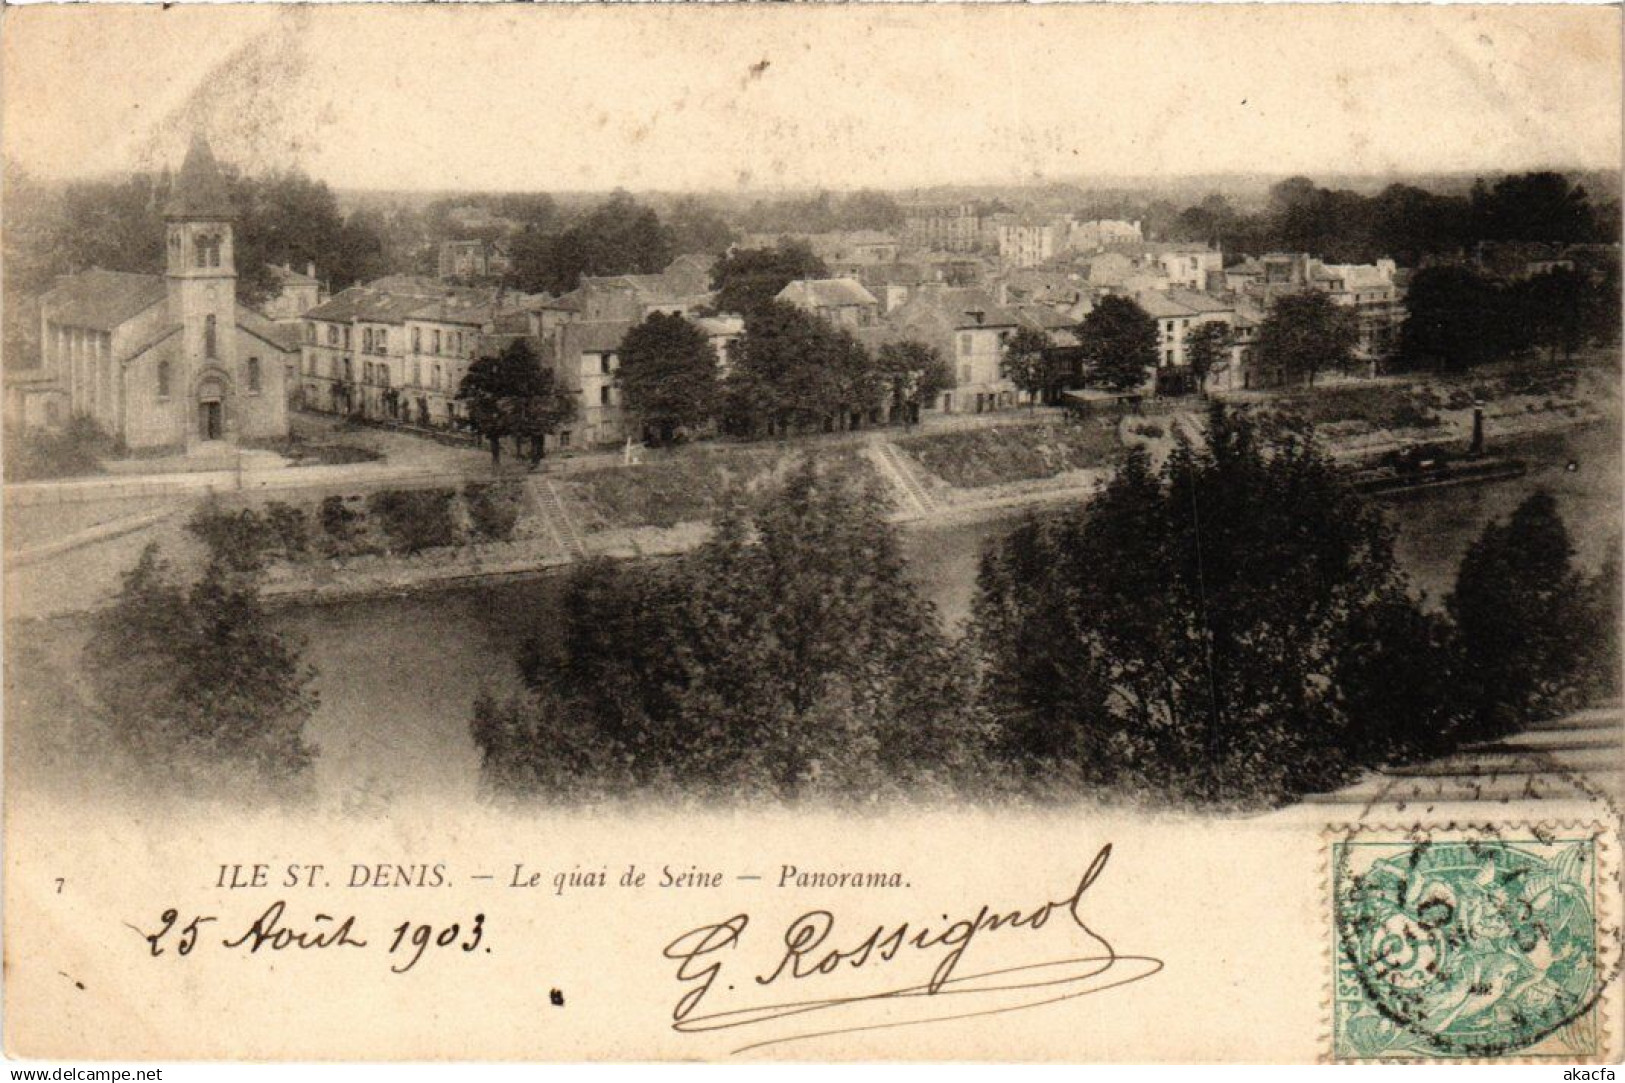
(1079, 533)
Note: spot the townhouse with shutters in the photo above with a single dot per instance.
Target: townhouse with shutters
(969, 331)
(395, 350)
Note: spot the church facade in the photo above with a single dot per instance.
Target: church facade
(172, 361)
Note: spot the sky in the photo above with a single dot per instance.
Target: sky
(663, 97)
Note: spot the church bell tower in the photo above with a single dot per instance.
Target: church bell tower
(202, 278)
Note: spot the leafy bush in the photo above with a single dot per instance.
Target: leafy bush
(245, 539)
(76, 450)
(1148, 429)
(494, 509)
(287, 525)
(339, 522)
(415, 519)
(240, 539)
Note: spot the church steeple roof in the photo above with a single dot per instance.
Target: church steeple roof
(200, 189)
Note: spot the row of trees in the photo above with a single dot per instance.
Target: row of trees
(1458, 318)
(1404, 222)
(1231, 628)
(791, 371)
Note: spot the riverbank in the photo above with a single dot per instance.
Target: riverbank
(568, 517)
(398, 668)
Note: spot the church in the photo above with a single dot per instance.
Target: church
(168, 362)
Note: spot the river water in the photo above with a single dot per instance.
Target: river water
(397, 675)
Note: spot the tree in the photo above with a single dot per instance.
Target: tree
(789, 654)
(200, 680)
(669, 375)
(1213, 221)
(1537, 206)
(1118, 340)
(510, 394)
(1455, 319)
(618, 236)
(1520, 613)
(793, 370)
(748, 279)
(866, 209)
(916, 375)
(1191, 628)
(1206, 346)
(1028, 362)
(697, 227)
(1551, 309)
(286, 218)
(1602, 661)
(1305, 333)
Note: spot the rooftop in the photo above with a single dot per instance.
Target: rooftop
(200, 189)
(101, 300)
(827, 293)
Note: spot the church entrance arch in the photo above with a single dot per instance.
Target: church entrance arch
(211, 408)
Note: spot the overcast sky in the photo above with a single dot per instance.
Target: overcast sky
(857, 95)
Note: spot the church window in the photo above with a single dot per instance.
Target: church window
(163, 379)
(254, 375)
(209, 345)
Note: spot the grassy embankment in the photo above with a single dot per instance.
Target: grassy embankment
(999, 455)
(685, 487)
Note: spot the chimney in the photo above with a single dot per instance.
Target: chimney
(310, 268)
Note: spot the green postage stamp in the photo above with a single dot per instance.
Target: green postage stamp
(1469, 944)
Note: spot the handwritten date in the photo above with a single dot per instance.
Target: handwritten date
(274, 931)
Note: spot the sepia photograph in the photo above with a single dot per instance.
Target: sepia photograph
(671, 521)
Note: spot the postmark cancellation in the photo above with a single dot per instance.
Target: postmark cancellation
(1492, 941)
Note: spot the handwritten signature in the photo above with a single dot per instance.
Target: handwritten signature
(810, 950)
